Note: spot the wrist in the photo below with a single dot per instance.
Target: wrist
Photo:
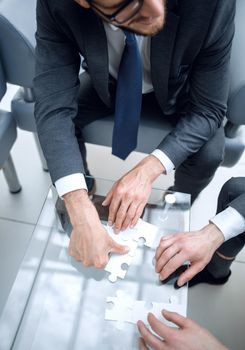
(76, 202)
(152, 166)
(76, 196)
(214, 234)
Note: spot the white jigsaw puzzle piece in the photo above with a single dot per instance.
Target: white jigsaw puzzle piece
(141, 309)
(147, 231)
(125, 309)
(114, 266)
(130, 238)
(121, 308)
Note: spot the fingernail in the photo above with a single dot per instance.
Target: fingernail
(110, 223)
(176, 286)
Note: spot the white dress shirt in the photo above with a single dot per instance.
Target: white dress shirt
(230, 222)
(115, 43)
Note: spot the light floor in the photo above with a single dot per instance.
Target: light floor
(220, 309)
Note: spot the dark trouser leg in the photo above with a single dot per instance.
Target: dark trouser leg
(90, 108)
(220, 264)
(193, 175)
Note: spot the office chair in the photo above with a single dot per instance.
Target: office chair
(17, 42)
(8, 136)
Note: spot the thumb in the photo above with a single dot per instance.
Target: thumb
(118, 248)
(175, 318)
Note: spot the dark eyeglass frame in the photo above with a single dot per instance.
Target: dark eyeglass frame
(113, 17)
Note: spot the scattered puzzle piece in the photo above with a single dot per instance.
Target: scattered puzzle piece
(120, 310)
(125, 309)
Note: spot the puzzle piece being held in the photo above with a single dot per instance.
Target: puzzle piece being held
(147, 231)
(118, 264)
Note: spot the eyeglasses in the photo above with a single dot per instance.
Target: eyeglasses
(126, 11)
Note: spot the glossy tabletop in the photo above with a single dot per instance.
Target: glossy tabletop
(56, 303)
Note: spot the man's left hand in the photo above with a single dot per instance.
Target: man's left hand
(128, 196)
(197, 247)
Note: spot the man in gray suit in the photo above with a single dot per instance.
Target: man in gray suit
(184, 53)
(210, 250)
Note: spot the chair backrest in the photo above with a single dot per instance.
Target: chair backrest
(236, 102)
(3, 86)
(17, 41)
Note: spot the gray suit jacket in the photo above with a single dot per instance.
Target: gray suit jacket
(237, 191)
(189, 67)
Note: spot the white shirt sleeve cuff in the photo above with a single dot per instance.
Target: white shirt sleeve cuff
(164, 159)
(230, 222)
(70, 183)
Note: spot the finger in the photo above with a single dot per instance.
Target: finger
(186, 276)
(130, 215)
(109, 195)
(118, 248)
(72, 251)
(167, 254)
(101, 261)
(159, 327)
(121, 214)
(148, 337)
(175, 318)
(172, 265)
(142, 344)
(113, 208)
(75, 255)
(138, 213)
(163, 245)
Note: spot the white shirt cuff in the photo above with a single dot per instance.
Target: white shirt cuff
(70, 183)
(230, 222)
(164, 159)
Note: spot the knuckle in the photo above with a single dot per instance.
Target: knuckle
(99, 263)
(120, 190)
(85, 263)
(130, 216)
(162, 244)
(120, 215)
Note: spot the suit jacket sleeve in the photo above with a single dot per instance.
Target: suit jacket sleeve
(56, 87)
(209, 85)
(239, 204)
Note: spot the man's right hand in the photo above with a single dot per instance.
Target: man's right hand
(89, 243)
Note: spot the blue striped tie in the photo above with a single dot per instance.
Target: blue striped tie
(128, 99)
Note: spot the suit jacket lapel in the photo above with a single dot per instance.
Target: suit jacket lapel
(97, 55)
(161, 52)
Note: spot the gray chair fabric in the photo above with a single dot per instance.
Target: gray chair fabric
(17, 28)
(8, 136)
(17, 48)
